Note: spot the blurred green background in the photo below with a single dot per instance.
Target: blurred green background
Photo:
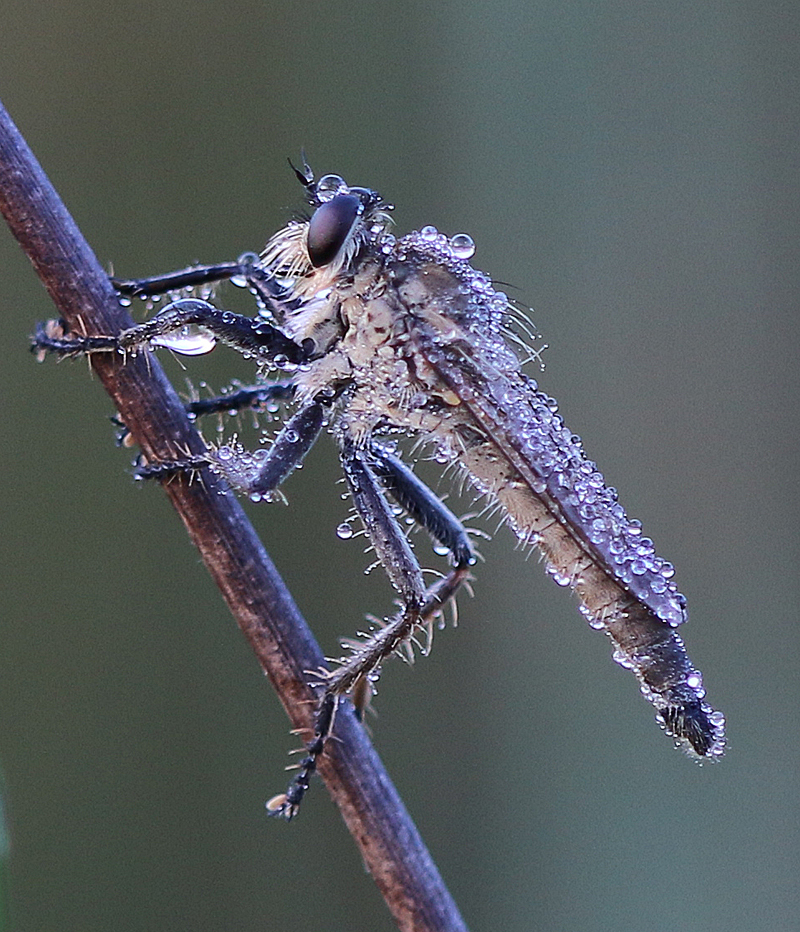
(631, 170)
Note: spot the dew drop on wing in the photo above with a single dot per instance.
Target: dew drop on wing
(695, 680)
(344, 532)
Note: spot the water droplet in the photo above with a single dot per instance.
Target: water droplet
(189, 340)
(329, 186)
(462, 246)
(429, 233)
(277, 803)
(246, 258)
(344, 531)
(538, 484)
(695, 680)
(559, 578)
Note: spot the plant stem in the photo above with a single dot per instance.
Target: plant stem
(257, 597)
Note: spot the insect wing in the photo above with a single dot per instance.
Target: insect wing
(519, 453)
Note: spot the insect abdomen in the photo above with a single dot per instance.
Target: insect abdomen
(521, 455)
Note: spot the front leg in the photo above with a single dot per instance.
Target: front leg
(192, 277)
(245, 270)
(251, 336)
(53, 337)
(257, 474)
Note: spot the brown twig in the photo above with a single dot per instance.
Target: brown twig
(374, 813)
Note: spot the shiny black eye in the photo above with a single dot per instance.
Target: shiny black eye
(330, 226)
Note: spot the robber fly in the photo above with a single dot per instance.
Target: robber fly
(373, 336)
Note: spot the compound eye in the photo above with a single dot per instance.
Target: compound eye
(330, 226)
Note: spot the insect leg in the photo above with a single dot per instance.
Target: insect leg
(242, 398)
(253, 337)
(423, 505)
(259, 474)
(52, 336)
(267, 289)
(366, 472)
(391, 545)
(190, 277)
(385, 534)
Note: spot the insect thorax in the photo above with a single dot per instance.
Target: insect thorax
(379, 322)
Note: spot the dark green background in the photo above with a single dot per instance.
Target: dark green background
(631, 169)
